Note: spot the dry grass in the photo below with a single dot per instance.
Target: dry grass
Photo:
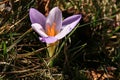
(90, 52)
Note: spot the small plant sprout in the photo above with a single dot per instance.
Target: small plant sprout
(51, 28)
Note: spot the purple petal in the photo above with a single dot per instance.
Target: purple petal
(68, 26)
(71, 19)
(48, 40)
(55, 15)
(37, 17)
(39, 29)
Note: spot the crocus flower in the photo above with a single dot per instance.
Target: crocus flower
(51, 28)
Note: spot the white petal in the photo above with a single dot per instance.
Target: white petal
(64, 32)
(39, 29)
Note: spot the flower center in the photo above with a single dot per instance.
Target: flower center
(51, 30)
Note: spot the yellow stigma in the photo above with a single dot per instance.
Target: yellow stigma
(51, 30)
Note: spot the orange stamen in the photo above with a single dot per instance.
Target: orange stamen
(50, 30)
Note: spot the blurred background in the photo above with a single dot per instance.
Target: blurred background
(91, 52)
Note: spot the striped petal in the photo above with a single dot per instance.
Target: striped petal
(55, 16)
